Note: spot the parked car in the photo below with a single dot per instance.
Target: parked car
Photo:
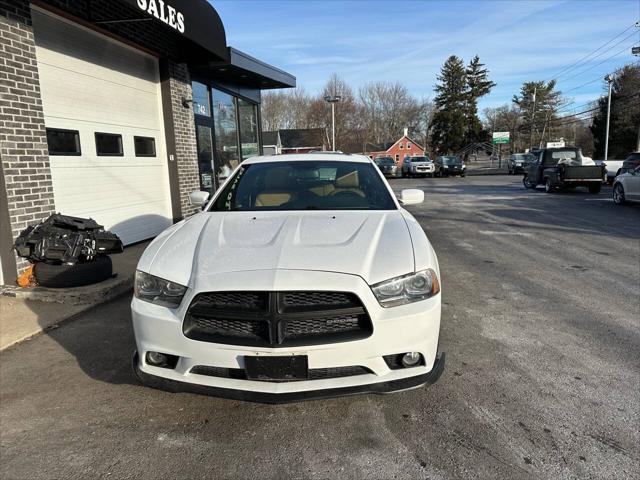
(303, 277)
(418, 166)
(518, 162)
(387, 166)
(631, 162)
(450, 165)
(626, 187)
(562, 168)
(613, 167)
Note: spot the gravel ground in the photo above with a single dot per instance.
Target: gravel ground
(541, 329)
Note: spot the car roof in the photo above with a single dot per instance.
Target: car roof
(305, 157)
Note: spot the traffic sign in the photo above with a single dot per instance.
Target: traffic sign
(500, 137)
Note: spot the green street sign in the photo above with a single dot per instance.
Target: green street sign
(500, 137)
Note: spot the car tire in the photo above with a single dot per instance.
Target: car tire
(547, 185)
(77, 275)
(432, 175)
(462, 175)
(527, 183)
(618, 194)
(595, 188)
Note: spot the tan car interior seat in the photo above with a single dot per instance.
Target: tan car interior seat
(348, 183)
(276, 190)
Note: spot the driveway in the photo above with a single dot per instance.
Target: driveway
(541, 329)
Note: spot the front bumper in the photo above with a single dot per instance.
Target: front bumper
(407, 328)
(288, 397)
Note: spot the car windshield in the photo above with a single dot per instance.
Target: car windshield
(305, 185)
(521, 157)
(451, 160)
(385, 161)
(420, 159)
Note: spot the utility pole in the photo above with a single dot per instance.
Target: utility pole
(533, 116)
(333, 99)
(609, 80)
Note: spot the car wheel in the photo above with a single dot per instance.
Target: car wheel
(595, 188)
(77, 275)
(510, 172)
(432, 175)
(463, 175)
(547, 185)
(618, 194)
(528, 183)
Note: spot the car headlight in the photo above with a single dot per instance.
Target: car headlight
(158, 290)
(407, 288)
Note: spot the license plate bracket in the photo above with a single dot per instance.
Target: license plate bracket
(287, 368)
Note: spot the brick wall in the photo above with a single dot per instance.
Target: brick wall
(23, 143)
(185, 135)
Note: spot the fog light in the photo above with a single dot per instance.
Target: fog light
(163, 360)
(410, 359)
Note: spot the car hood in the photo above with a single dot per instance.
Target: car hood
(373, 245)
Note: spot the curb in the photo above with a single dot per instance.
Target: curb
(83, 298)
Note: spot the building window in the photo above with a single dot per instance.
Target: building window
(408, 146)
(63, 142)
(401, 146)
(248, 120)
(201, 105)
(109, 144)
(225, 128)
(397, 157)
(145, 146)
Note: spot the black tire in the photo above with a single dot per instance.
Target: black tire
(618, 194)
(595, 188)
(66, 276)
(462, 175)
(432, 175)
(527, 183)
(547, 185)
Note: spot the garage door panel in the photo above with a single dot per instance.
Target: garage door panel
(70, 46)
(76, 96)
(90, 83)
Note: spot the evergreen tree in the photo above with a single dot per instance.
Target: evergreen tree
(624, 126)
(538, 103)
(478, 85)
(449, 121)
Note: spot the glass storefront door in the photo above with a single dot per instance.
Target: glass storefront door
(227, 132)
(204, 141)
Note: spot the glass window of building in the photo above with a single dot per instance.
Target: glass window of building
(248, 114)
(225, 128)
(200, 99)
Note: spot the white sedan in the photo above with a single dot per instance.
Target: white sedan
(626, 187)
(303, 277)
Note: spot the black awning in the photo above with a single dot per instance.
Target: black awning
(244, 70)
(195, 20)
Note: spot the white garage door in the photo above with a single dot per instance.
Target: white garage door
(93, 84)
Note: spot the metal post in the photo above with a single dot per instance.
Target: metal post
(333, 99)
(609, 79)
(333, 124)
(533, 116)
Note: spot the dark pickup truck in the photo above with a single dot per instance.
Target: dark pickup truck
(562, 169)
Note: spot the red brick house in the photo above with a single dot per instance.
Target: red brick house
(404, 146)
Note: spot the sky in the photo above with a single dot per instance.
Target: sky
(408, 41)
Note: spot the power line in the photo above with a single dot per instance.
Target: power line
(600, 63)
(591, 53)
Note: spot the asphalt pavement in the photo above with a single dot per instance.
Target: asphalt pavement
(541, 325)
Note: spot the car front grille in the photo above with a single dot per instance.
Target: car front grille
(314, 373)
(276, 319)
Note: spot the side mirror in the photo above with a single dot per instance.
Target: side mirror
(411, 196)
(197, 199)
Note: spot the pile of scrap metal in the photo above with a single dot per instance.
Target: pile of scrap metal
(68, 251)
